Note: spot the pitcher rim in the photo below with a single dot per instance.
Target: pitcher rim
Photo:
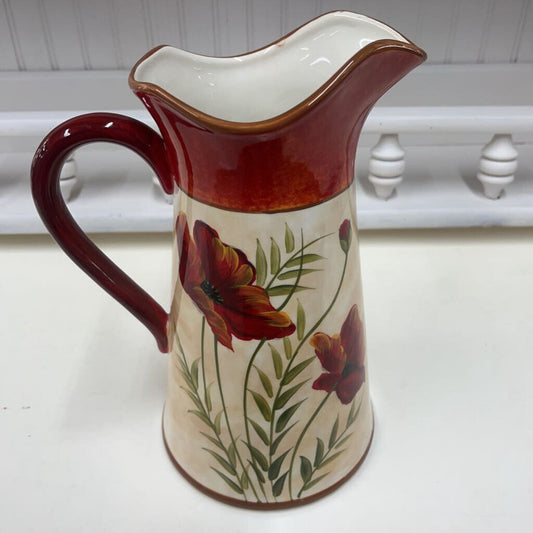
(282, 119)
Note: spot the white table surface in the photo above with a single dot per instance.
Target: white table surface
(450, 336)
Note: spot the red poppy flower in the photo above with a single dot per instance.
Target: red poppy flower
(342, 356)
(345, 235)
(219, 279)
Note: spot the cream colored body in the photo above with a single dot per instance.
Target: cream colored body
(183, 431)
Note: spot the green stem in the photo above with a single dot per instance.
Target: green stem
(337, 440)
(271, 437)
(302, 435)
(293, 256)
(299, 347)
(300, 267)
(304, 339)
(207, 415)
(180, 348)
(203, 358)
(319, 321)
(219, 381)
(245, 403)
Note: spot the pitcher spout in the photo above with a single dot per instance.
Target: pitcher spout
(277, 128)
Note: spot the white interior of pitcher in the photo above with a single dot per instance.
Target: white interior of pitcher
(268, 82)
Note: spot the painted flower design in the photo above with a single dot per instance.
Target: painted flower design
(342, 356)
(220, 281)
(345, 235)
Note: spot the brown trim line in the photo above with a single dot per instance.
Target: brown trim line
(246, 128)
(266, 506)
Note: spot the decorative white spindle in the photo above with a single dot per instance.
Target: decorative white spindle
(169, 198)
(68, 179)
(497, 165)
(387, 165)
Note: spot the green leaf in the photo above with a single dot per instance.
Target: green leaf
(298, 369)
(258, 472)
(260, 264)
(300, 321)
(265, 381)
(194, 372)
(314, 482)
(283, 290)
(232, 455)
(260, 431)
(275, 256)
(208, 402)
(331, 458)
(260, 459)
(227, 466)
(217, 423)
(185, 375)
(188, 381)
(244, 480)
(201, 416)
(182, 366)
(213, 440)
(352, 411)
(353, 414)
(275, 467)
(262, 406)
(333, 434)
(276, 360)
(319, 453)
(231, 483)
(182, 362)
(287, 415)
(289, 239)
(290, 274)
(277, 488)
(287, 395)
(303, 259)
(277, 442)
(194, 399)
(342, 441)
(287, 347)
(306, 469)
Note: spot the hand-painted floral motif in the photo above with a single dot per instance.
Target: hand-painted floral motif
(220, 281)
(260, 450)
(342, 356)
(345, 235)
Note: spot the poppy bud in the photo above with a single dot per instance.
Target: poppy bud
(345, 235)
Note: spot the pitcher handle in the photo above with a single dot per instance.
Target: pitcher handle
(45, 171)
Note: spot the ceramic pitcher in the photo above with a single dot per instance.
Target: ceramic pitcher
(268, 403)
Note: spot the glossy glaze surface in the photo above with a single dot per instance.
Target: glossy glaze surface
(268, 399)
(286, 161)
(246, 88)
(45, 171)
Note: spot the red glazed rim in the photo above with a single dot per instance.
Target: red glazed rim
(218, 124)
(267, 506)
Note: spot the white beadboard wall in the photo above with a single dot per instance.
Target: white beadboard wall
(113, 34)
(466, 112)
